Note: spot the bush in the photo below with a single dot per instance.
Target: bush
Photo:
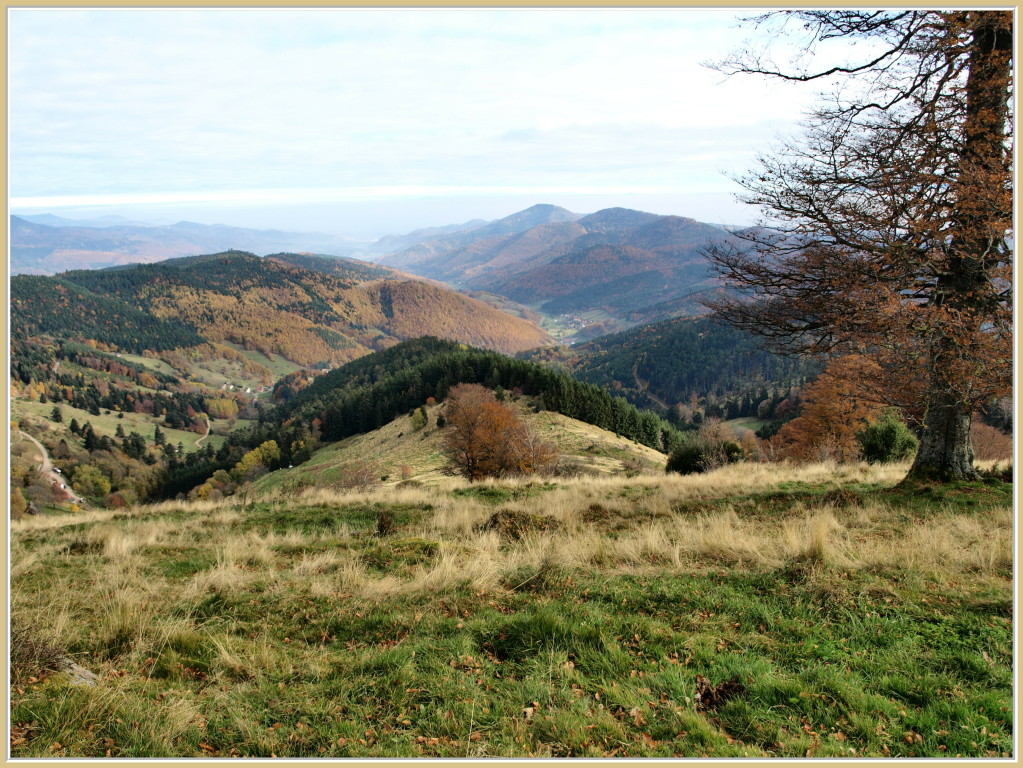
(419, 418)
(702, 455)
(686, 459)
(886, 440)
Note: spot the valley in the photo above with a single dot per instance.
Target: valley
(274, 546)
(511, 383)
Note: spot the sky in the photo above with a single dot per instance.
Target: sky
(372, 122)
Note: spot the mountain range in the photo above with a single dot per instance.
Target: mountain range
(46, 244)
(607, 271)
(627, 267)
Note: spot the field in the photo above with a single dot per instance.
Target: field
(107, 423)
(279, 366)
(754, 611)
(151, 363)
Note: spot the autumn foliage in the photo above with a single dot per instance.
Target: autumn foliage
(887, 223)
(485, 438)
(837, 406)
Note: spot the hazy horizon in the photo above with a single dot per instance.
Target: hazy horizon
(369, 220)
(369, 122)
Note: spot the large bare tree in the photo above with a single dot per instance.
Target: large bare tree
(886, 224)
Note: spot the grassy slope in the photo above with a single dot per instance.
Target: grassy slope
(279, 366)
(148, 362)
(844, 617)
(396, 445)
(144, 424)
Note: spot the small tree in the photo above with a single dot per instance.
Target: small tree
(90, 481)
(18, 504)
(836, 407)
(887, 439)
(419, 419)
(485, 438)
(257, 461)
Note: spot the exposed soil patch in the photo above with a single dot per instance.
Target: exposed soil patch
(710, 697)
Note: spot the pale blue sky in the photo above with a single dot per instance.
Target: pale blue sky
(354, 120)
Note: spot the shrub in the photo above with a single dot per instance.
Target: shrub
(701, 455)
(887, 439)
(356, 475)
(419, 418)
(18, 504)
(686, 459)
(30, 655)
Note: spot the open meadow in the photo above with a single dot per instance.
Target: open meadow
(755, 610)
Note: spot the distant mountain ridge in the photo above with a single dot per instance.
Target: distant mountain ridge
(627, 266)
(601, 272)
(43, 249)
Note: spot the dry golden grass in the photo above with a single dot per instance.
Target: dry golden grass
(649, 532)
(243, 587)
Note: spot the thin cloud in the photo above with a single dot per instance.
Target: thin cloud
(194, 105)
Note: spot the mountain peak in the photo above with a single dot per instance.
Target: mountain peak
(542, 213)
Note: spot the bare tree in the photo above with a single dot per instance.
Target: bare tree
(886, 223)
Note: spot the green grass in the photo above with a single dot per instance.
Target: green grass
(747, 422)
(104, 424)
(291, 627)
(159, 366)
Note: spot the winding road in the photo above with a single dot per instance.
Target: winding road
(49, 471)
(197, 442)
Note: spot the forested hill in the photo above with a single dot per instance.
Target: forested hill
(674, 361)
(370, 392)
(328, 315)
(56, 306)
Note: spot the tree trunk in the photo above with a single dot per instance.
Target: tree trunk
(946, 449)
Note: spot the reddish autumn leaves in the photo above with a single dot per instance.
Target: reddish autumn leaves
(485, 438)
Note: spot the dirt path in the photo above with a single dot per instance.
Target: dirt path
(644, 387)
(50, 472)
(199, 441)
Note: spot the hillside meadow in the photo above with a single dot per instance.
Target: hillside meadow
(756, 611)
(399, 451)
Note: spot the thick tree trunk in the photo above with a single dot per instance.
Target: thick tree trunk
(946, 450)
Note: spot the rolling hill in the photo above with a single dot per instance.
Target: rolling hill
(336, 312)
(398, 451)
